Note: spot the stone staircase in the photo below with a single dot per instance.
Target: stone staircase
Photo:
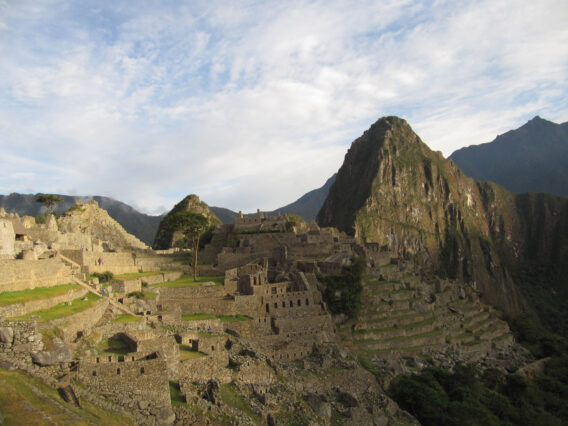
(401, 315)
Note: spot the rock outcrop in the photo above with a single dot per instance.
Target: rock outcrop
(166, 237)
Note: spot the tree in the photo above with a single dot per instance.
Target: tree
(192, 225)
(48, 200)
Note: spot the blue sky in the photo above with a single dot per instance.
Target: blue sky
(251, 104)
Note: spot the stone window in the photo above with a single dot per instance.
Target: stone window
(273, 290)
(141, 370)
(118, 371)
(267, 308)
(110, 359)
(98, 360)
(283, 304)
(291, 303)
(307, 302)
(94, 373)
(275, 304)
(212, 348)
(299, 302)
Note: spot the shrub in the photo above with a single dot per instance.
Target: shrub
(104, 277)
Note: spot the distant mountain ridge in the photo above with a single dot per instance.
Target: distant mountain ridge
(145, 227)
(141, 225)
(532, 158)
(306, 206)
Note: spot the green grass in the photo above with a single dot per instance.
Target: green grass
(176, 395)
(125, 318)
(232, 397)
(185, 352)
(62, 310)
(131, 275)
(197, 317)
(234, 318)
(26, 400)
(39, 293)
(187, 281)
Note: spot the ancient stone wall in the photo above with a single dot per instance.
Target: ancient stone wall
(27, 274)
(192, 292)
(138, 385)
(203, 369)
(167, 347)
(82, 322)
(255, 328)
(19, 338)
(19, 309)
(126, 286)
(7, 238)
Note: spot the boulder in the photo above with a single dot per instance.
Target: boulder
(60, 354)
(7, 335)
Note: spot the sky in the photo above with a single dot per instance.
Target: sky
(251, 104)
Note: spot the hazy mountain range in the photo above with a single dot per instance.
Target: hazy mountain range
(532, 158)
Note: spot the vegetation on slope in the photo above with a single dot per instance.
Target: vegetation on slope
(343, 291)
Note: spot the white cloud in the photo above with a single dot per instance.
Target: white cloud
(253, 104)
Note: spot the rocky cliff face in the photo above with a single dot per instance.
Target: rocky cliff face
(165, 238)
(393, 190)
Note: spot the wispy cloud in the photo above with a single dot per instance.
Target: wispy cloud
(252, 104)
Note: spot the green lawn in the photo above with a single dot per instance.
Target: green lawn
(197, 317)
(185, 352)
(187, 281)
(62, 310)
(234, 318)
(13, 297)
(125, 318)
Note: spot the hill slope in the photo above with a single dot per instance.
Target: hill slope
(532, 158)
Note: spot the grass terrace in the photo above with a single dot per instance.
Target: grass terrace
(188, 281)
(63, 310)
(39, 293)
(132, 275)
(185, 352)
(125, 318)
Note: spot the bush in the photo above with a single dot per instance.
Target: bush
(104, 277)
(343, 291)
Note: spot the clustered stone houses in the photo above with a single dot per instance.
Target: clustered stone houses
(270, 277)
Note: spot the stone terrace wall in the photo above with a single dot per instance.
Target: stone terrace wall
(36, 305)
(82, 321)
(17, 275)
(167, 347)
(192, 292)
(203, 369)
(253, 329)
(139, 385)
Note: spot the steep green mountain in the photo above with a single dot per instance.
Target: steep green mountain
(141, 225)
(166, 237)
(306, 206)
(532, 158)
(394, 191)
